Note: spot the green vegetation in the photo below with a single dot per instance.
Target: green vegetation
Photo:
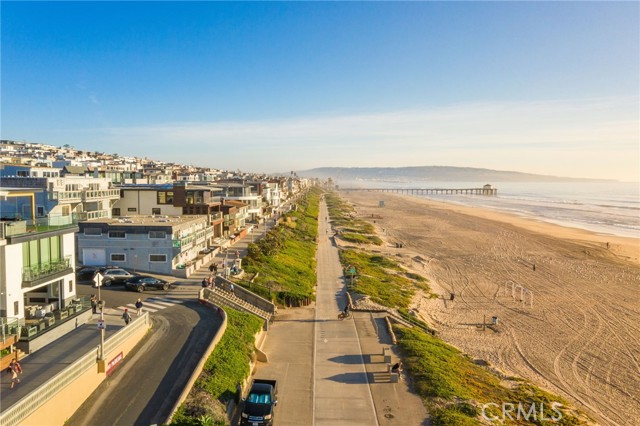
(285, 260)
(381, 278)
(227, 367)
(361, 239)
(453, 386)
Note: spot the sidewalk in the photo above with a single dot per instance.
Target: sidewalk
(42, 365)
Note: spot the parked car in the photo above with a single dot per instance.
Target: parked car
(116, 276)
(145, 282)
(260, 403)
(88, 273)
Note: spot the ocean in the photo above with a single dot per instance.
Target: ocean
(604, 207)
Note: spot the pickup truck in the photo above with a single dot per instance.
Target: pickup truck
(259, 403)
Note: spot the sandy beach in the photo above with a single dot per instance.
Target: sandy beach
(566, 300)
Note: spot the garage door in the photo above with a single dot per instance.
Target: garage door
(94, 257)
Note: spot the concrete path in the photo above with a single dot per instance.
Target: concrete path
(331, 372)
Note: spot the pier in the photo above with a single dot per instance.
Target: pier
(487, 190)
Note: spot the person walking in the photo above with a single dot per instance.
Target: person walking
(205, 282)
(126, 317)
(215, 269)
(14, 369)
(231, 289)
(94, 303)
(139, 306)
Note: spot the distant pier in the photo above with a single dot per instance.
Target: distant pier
(487, 190)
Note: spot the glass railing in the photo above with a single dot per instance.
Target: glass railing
(96, 214)
(41, 319)
(65, 195)
(42, 270)
(98, 194)
(9, 327)
(41, 224)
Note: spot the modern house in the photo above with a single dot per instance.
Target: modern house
(38, 301)
(84, 197)
(160, 244)
(172, 199)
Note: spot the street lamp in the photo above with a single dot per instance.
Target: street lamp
(99, 278)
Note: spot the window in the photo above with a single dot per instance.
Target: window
(115, 212)
(131, 209)
(117, 234)
(41, 252)
(165, 197)
(39, 211)
(93, 232)
(70, 286)
(118, 257)
(157, 234)
(155, 211)
(16, 308)
(158, 258)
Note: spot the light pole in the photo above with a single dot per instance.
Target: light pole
(99, 278)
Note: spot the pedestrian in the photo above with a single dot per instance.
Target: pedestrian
(215, 269)
(211, 268)
(139, 305)
(212, 282)
(231, 288)
(126, 317)
(94, 303)
(205, 282)
(452, 296)
(14, 369)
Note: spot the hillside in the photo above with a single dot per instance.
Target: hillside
(431, 173)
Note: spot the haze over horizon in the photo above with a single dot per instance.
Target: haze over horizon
(534, 87)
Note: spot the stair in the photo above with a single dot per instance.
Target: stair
(225, 298)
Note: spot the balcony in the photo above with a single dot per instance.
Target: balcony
(66, 196)
(100, 194)
(45, 270)
(96, 214)
(17, 228)
(9, 329)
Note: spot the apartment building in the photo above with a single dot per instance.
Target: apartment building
(63, 197)
(159, 244)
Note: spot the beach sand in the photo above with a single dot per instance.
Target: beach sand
(577, 332)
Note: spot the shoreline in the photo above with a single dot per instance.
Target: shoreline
(623, 246)
(581, 304)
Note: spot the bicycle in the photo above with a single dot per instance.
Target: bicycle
(343, 315)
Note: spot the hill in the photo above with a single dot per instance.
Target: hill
(432, 173)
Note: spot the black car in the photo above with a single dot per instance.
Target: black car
(145, 282)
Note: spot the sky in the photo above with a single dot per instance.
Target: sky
(538, 87)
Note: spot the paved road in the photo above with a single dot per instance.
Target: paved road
(142, 392)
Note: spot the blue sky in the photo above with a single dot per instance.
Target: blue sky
(539, 87)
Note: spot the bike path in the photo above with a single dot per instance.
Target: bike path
(330, 372)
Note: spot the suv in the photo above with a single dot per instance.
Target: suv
(88, 273)
(115, 276)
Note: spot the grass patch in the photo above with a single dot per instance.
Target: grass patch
(453, 386)
(380, 278)
(285, 259)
